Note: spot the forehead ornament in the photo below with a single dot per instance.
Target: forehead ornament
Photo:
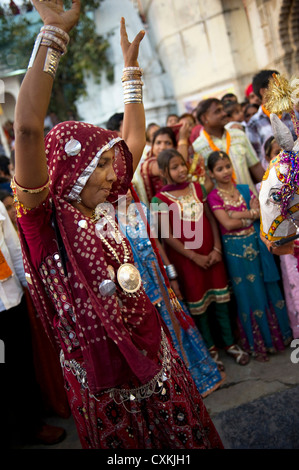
(72, 147)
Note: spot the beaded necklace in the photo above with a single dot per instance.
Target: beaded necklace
(127, 274)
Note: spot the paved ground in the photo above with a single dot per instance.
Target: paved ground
(258, 405)
(256, 408)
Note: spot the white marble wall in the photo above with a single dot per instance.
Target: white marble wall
(206, 47)
(105, 99)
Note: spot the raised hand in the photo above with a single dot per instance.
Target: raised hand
(184, 130)
(52, 13)
(130, 50)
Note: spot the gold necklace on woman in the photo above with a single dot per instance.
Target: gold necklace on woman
(230, 191)
(127, 274)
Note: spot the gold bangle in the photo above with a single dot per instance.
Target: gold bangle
(54, 29)
(14, 184)
(246, 222)
(183, 142)
(51, 37)
(217, 250)
(52, 61)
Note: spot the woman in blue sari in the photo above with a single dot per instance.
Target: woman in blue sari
(133, 219)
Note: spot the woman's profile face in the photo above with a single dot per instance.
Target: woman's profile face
(99, 185)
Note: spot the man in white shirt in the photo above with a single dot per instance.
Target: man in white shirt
(214, 136)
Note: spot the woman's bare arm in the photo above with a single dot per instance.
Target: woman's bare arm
(133, 131)
(32, 105)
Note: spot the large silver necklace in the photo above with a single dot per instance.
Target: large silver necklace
(127, 274)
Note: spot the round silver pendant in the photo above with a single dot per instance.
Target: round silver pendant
(72, 147)
(107, 288)
(129, 278)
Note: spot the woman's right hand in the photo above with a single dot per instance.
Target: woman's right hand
(52, 13)
(184, 130)
(287, 249)
(130, 49)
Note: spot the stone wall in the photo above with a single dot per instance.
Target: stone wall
(209, 48)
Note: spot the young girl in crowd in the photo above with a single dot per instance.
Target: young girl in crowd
(235, 115)
(271, 148)
(262, 316)
(181, 206)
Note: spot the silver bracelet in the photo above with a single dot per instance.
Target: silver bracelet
(133, 96)
(57, 30)
(171, 272)
(47, 33)
(55, 39)
(138, 69)
(34, 51)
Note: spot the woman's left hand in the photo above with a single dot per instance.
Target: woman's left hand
(254, 203)
(214, 257)
(130, 49)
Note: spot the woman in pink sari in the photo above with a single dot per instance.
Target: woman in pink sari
(126, 385)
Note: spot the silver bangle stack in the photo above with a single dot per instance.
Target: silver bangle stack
(171, 272)
(132, 84)
(56, 40)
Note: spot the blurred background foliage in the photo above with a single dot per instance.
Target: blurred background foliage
(88, 52)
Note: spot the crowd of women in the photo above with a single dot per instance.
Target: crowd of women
(213, 183)
(142, 253)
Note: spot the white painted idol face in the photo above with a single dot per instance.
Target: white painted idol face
(278, 221)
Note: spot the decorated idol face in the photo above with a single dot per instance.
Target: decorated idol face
(279, 193)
